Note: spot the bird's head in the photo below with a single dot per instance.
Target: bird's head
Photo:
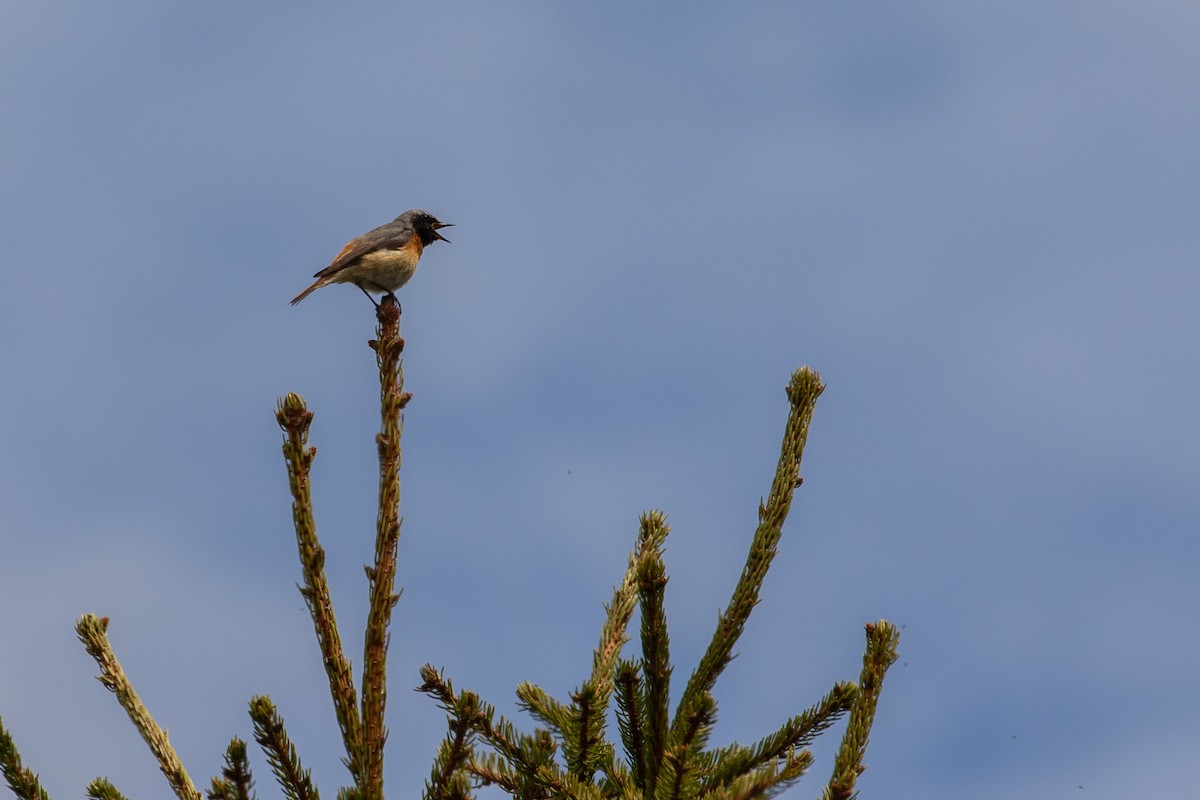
(425, 224)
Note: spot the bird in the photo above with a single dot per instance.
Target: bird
(382, 260)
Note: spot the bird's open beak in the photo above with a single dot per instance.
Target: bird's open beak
(437, 226)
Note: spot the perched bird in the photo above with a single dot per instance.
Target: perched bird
(384, 259)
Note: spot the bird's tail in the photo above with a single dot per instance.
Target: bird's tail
(316, 285)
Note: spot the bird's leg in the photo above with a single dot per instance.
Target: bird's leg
(368, 294)
(392, 295)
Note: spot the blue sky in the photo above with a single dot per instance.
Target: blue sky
(978, 222)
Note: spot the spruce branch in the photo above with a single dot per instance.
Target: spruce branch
(500, 734)
(727, 764)
(765, 781)
(22, 780)
(883, 639)
(656, 650)
(561, 784)
(669, 759)
(585, 747)
(526, 754)
(544, 781)
(294, 779)
(382, 576)
(631, 721)
(448, 779)
(294, 418)
(802, 392)
(586, 734)
(236, 782)
(619, 611)
(101, 789)
(581, 725)
(679, 775)
(437, 686)
(533, 757)
(492, 770)
(615, 780)
(542, 706)
(92, 631)
(540, 783)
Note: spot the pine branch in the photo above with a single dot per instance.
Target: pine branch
(728, 764)
(883, 639)
(22, 780)
(802, 391)
(295, 418)
(656, 649)
(293, 778)
(382, 576)
(92, 632)
(235, 782)
(101, 789)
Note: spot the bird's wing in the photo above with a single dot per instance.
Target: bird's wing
(391, 236)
